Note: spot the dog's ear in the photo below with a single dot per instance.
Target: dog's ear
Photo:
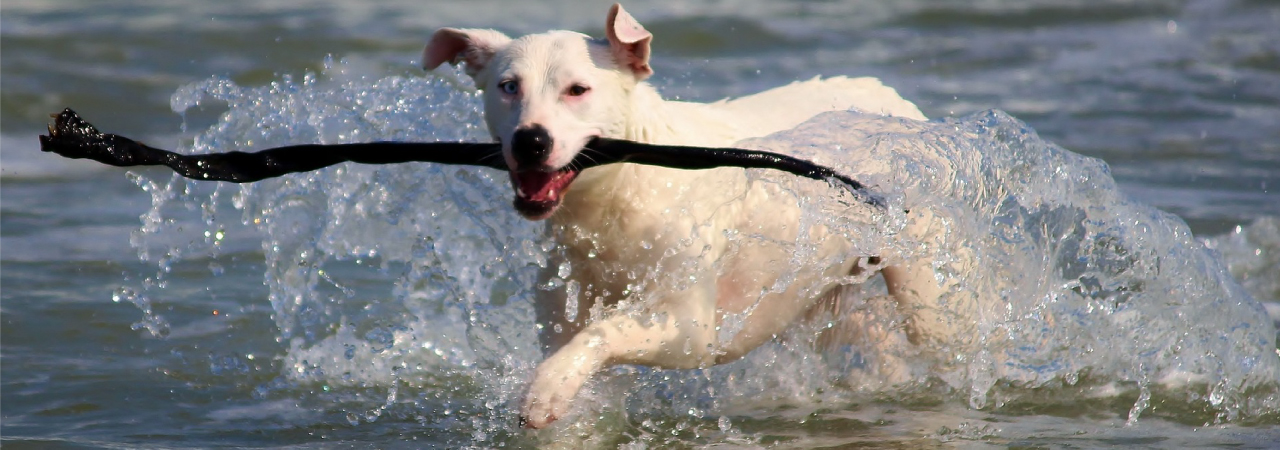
(475, 47)
(629, 41)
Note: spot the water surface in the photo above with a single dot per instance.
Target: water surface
(387, 307)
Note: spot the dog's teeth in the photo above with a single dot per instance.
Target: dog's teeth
(551, 193)
(520, 192)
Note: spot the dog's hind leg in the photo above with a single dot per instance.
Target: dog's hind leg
(855, 319)
(939, 311)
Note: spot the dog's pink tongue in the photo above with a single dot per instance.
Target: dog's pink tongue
(541, 186)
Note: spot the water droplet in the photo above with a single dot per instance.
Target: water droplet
(571, 300)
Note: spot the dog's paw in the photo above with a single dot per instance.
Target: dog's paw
(555, 384)
(540, 412)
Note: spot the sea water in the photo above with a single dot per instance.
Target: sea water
(1102, 298)
(388, 306)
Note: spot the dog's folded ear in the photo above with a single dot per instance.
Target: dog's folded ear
(473, 46)
(629, 41)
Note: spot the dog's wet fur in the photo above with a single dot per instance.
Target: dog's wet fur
(547, 95)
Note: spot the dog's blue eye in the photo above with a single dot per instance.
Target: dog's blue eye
(509, 86)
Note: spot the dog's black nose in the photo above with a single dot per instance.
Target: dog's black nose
(531, 146)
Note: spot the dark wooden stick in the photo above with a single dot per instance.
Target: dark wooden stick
(73, 137)
(697, 158)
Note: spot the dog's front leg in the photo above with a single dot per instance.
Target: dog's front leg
(677, 333)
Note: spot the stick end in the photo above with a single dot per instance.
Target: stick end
(71, 136)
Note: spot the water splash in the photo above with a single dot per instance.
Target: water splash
(405, 290)
(1252, 254)
(1090, 281)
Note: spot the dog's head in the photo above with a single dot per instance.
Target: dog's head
(547, 95)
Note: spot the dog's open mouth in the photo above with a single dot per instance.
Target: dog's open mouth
(538, 193)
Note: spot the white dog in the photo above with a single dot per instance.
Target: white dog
(546, 95)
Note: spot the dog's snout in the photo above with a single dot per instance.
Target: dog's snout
(531, 145)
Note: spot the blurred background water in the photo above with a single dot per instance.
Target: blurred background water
(140, 311)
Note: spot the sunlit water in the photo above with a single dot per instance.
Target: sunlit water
(389, 306)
